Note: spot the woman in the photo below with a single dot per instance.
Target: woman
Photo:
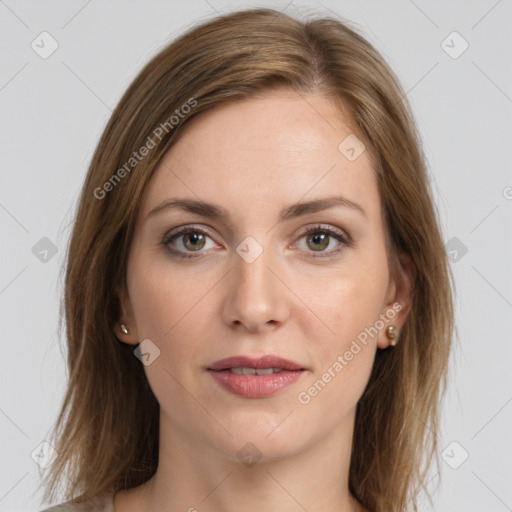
(258, 301)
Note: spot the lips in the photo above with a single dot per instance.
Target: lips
(255, 377)
(268, 361)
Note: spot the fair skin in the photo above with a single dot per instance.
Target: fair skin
(253, 159)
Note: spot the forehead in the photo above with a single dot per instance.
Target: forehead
(264, 151)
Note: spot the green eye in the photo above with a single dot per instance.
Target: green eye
(191, 239)
(319, 237)
(186, 240)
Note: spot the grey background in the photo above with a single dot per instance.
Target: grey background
(53, 111)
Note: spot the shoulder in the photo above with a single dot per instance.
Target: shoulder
(101, 503)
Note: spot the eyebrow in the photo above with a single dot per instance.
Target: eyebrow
(217, 212)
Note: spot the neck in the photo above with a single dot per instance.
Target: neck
(196, 477)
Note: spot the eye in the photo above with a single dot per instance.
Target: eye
(319, 237)
(183, 242)
(186, 239)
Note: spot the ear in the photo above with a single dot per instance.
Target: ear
(399, 297)
(127, 319)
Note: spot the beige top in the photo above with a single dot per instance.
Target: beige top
(101, 503)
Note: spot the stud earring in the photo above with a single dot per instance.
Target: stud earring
(124, 329)
(392, 334)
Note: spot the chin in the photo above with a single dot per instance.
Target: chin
(267, 437)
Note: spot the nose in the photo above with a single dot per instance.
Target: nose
(256, 297)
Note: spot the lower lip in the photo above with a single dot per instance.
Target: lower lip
(255, 386)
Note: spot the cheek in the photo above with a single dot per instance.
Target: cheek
(344, 357)
(172, 305)
(357, 304)
(348, 300)
(350, 305)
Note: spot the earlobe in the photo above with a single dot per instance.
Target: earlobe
(392, 333)
(399, 301)
(125, 328)
(124, 334)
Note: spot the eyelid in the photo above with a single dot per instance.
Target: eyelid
(328, 228)
(182, 230)
(345, 241)
(341, 235)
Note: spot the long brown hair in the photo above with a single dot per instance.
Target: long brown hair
(106, 434)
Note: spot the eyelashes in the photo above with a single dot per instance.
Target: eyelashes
(328, 234)
(197, 237)
(183, 232)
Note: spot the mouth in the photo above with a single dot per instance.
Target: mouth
(255, 377)
(268, 363)
(253, 371)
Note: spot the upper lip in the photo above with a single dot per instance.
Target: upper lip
(266, 361)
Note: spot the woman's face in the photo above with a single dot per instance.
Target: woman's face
(245, 279)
